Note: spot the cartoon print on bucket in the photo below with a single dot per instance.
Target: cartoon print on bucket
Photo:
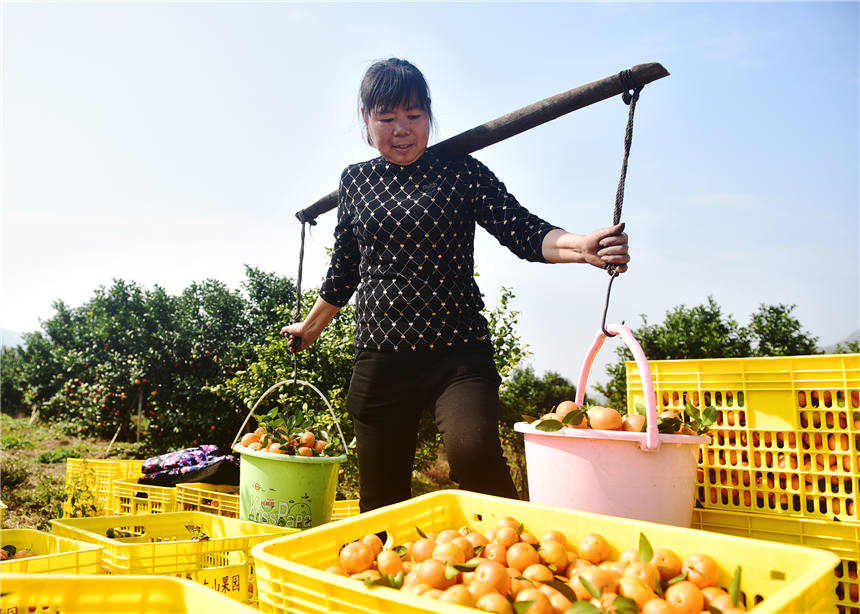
(267, 507)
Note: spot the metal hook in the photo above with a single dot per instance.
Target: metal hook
(613, 273)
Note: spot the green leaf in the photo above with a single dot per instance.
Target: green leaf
(528, 418)
(11, 550)
(450, 572)
(400, 550)
(478, 550)
(465, 567)
(521, 607)
(668, 425)
(709, 416)
(574, 417)
(421, 533)
(679, 578)
(735, 588)
(562, 587)
(582, 607)
(646, 551)
(520, 529)
(590, 587)
(397, 581)
(549, 425)
(625, 605)
(639, 407)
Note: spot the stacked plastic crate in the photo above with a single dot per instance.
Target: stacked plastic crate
(784, 463)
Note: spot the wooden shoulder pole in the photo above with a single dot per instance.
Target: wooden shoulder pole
(520, 120)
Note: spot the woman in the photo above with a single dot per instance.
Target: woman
(405, 230)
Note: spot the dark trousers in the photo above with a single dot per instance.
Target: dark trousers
(387, 395)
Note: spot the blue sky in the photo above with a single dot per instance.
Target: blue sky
(169, 143)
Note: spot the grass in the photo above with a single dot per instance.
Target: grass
(33, 468)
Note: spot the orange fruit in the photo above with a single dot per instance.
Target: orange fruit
(494, 602)
(593, 548)
(659, 606)
(372, 541)
(275, 448)
(554, 536)
(702, 570)
(613, 567)
(259, 432)
(667, 563)
(422, 549)
(520, 585)
(433, 593)
(521, 555)
(248, 438)
(559, 602)
(541, 603)
(255, 445)
(716, 597)
(495, 552)
(476, 539)
(432, 573)
(336, 569)
(644, 571)
(463, 544)
(538, 573)
(446, 536)
(579, 565)
(634, 423)
(495, 574)
(507, 537)
(601, 579)
(479, 588)
(528, 538)
(356, 557)
(458, 594)
(553, 553)
(565, 407)
(307, 439)
(320, 445)
(635, 589)
(306, 451)
(389, 562)
(514, 573)
(449, 553)
(508, 521)
(686, 596)
(604, 418)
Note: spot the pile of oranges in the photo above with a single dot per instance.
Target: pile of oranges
(282, 442)
(511, 571)
(569, 414)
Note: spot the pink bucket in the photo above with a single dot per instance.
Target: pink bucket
(645, 476)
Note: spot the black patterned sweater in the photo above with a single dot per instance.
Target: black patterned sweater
(407, 233)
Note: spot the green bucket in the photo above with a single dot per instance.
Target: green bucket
(284, 490)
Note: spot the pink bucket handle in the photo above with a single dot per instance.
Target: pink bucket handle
(652, 439)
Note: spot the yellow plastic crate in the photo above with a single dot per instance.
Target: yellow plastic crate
(344, 509)
(219, 499)
(290, 577)
(97, 476)
(840, 538)
(130, 498)
(787, 437)
(52, 554)
(168, 544)
(112, 595)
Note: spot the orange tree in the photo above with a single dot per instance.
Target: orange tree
(128, 347)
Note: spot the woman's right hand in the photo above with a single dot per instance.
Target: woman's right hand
(299, 331)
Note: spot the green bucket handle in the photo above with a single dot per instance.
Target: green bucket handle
(293, 381)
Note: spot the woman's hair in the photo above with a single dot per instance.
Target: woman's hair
(391, 83)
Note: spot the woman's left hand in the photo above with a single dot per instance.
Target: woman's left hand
(607, 246)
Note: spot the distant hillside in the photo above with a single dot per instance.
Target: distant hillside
(10, 338)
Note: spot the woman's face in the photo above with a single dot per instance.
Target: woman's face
(400, 135)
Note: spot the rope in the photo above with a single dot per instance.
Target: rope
(630, 95)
